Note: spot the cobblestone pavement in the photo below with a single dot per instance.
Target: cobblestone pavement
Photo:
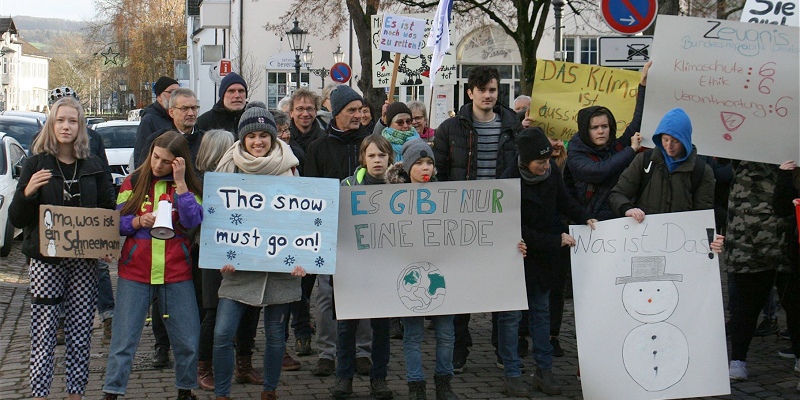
(771, 377)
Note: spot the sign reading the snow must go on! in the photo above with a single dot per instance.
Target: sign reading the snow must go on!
(429, 249)
(269, 223)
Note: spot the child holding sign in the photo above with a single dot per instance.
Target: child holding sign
(258, 151)
(149, 264)
(60, 172)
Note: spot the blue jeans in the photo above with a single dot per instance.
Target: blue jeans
(346, 348)
(105, 294)
(229, 313)
(539, 318)
(508, 341)
(183, 327)
(413, 330)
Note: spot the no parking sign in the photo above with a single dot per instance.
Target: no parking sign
(340, 72)
(629, 17)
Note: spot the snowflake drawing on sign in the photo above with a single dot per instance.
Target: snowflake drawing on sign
(237, 219)
(289, 261)
(231, 254)
(211, 210)
(318, 222)
(319, 262)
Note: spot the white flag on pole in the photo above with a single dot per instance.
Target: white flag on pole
(439, 38)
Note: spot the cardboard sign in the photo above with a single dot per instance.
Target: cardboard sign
(737, 81)
(640, 291)
(78, 232)
(413, 70)
(775, 12)
(429, 249)
(402, 34)
(561, 89)
(269, 223)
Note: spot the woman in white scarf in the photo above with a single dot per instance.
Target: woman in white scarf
(258, 151)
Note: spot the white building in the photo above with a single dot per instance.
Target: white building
(23, 71)
(226, 29)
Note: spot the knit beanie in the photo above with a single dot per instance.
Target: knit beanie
(162, 84)
(229, 80)
(257, 118)
(341, 97)
(396, 108)
(413, 150)
(533, 144)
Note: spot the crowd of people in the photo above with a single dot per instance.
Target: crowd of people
(208, 318)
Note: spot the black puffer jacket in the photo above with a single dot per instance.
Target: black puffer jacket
(154, 119)
(24, 211)
(335, 155)
(219, 117)
(541, 229)
(455, 145)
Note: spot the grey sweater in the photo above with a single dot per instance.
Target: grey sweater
(260, 288)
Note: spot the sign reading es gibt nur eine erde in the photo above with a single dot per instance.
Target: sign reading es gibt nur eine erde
(269, 223)
(436, 248)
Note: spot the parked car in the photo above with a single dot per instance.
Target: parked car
(21, 128)
(41, 117)
(94, 120)
(119, 138)
(11, 157)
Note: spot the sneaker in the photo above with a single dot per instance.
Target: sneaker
(767, 327)
(786, 353)
(161, 357)
(184, 394)
(112, 396)
(342, 389)
(379, 389)
(785, 335)
(325, 367)
(363, 365)
(738, 370)
(546, 382)
(107, 331)
(302, 347)
(557, 350)
(289, 363)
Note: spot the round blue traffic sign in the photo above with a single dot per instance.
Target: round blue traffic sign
(340, 72)
(629, 17)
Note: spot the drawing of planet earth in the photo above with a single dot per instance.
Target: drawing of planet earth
(421, 287)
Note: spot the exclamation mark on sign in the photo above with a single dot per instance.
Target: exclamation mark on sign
(710, 234)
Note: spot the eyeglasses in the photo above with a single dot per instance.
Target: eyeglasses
(310, 110)
(284, 130)
(418, 118)
(185, 108)
(403, 121)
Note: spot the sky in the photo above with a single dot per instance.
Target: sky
(77, 10)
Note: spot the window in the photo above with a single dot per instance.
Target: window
(281, 84)
(582, 50)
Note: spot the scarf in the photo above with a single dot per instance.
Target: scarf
(531, 178)
(395, 136)
(279, 161)
(371, 180)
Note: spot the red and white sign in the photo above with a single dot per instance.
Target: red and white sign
(340, 72)
(629, 17)
(224, 67)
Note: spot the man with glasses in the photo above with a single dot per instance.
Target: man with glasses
(303, 110)
(183, 111)
(155, 117)
(229, 108)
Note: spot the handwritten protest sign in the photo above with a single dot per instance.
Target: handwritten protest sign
(561, 89)
(413, 69)
(402, 34)
(78, 232)
(648, 308)
(429, 249)
(776, 12)
(737, 81)
(269, 223)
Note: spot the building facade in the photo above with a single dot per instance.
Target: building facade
(23, 71)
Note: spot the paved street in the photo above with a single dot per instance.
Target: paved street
(771, 377)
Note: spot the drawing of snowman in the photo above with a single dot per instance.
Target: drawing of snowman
(655, 354)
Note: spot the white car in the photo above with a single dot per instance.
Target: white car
(119, 137)
(11, 157)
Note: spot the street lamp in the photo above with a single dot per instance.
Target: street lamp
(308, 58)
(558, 7)
(338, 55)
(296, 38)
(122, 102)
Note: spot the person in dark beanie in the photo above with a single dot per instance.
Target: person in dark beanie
(543, 194)
(335, 155)
(229, 108)
(155, 117)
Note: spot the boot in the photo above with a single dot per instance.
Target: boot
(343, 388)
(244, 372)
(416, 390)
(271, 395)
(515, 387)
(546, 382)
(185, 394)
(443, 389)
(205, 375)
(379, 389)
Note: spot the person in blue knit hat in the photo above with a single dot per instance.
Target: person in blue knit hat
(229, 108)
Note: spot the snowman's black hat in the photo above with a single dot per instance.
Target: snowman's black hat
(648, 269)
